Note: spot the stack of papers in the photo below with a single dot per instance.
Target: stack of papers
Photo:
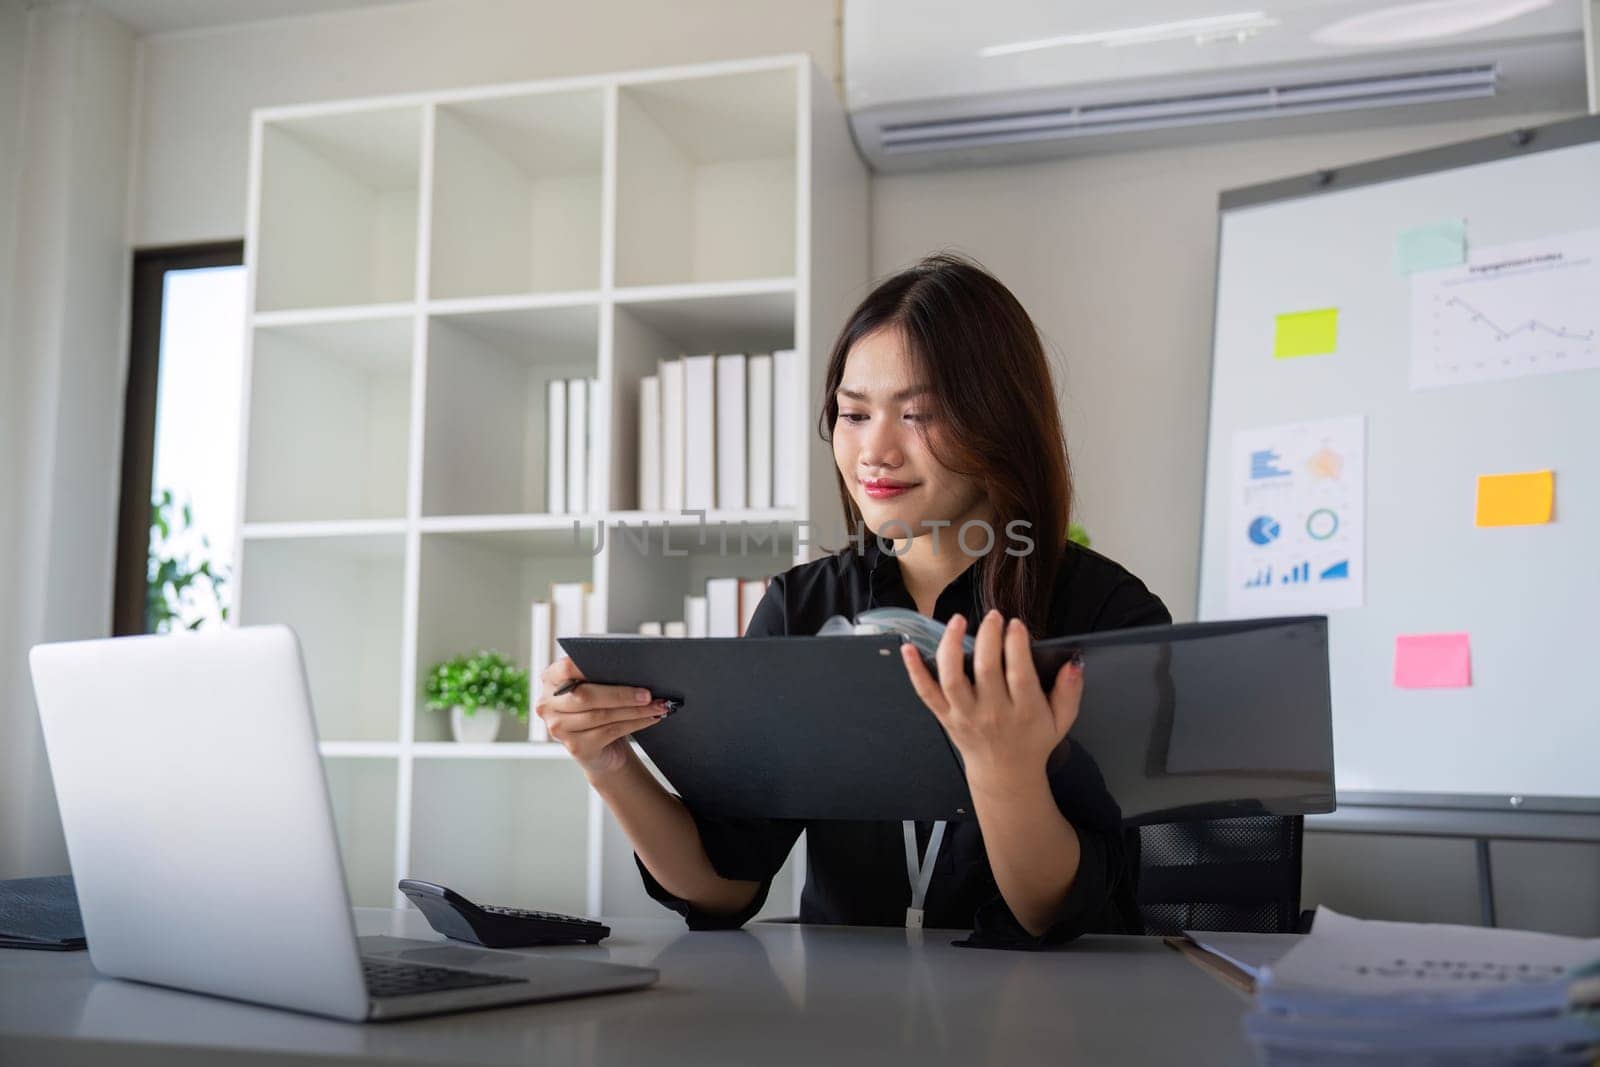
(40, 913)
(1413, 993)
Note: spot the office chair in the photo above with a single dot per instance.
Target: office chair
(1239, 874)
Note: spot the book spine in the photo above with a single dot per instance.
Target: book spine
(555, 448)
(786, 453)
(722, 607)
(577, 445)
(671, 374)
(695, 614)
(759, 417)
(699, 432)
(650, 443)
(751, 591)
(732, 439)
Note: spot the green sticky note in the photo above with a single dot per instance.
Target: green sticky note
(1306, 333)
(1431, 247)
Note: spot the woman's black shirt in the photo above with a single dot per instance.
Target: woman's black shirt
(856, 871)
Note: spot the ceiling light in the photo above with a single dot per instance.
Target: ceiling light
(1419, 22)
(1211, 27)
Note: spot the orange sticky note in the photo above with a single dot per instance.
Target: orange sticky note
(1432, 661)
(1516, 499)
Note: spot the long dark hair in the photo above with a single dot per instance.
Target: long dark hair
(995, 404)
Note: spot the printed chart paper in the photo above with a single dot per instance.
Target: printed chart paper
(1511, 310)
(1296, 533)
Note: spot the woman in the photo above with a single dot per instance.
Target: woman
(939, 405)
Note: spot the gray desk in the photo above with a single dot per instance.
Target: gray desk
(771, 995)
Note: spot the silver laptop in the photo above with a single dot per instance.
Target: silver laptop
(202, 839)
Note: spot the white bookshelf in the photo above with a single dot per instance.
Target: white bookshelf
(419, 268)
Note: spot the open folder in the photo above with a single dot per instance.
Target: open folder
(1198, 720)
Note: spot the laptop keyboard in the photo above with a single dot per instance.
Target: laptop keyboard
(385, 978)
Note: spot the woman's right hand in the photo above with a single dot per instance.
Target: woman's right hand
(593, 721)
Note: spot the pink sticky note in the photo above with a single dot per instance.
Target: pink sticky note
(1432, 661)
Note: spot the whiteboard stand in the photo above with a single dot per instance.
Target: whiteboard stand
(1481, 818)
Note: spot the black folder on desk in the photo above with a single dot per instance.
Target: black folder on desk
(1197, 720)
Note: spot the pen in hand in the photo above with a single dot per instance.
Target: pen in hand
(567, 687)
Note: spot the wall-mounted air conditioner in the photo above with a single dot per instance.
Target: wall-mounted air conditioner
(942, 83)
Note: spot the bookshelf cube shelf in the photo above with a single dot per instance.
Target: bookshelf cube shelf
(344, 597)
(648, 328)
(337, 209)
(516, 194)
(476, 589)
(420, 269)
(484, 443)
(364, 791)
(330, 420)
(706, 178)
(490, 828)
(649, 578)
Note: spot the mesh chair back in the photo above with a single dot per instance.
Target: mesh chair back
(1221, 874)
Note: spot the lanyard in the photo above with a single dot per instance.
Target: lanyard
(920, 875)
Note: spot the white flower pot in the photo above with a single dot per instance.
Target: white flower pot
(482, 725)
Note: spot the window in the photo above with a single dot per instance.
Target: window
(176, 531)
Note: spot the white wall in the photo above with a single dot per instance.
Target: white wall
(18, 748)
(64, 133)
(1114, 256)
(199, 87)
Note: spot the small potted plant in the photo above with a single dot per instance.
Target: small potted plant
(477, 690)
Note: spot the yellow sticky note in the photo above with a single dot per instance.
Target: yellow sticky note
(1516, 499)
(1306, 333)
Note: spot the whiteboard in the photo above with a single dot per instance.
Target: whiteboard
(1528, 722)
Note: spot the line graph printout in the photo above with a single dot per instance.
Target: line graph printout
(1517, 309)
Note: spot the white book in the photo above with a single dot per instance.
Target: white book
(758, 416)
(649, 629)
(650, 443)
(539, 657)
(731, 437)
(555, 448)
(695, 615)
(677, 628)
(577, 445)
(722, 607)
(595, 424)
(751, 590)
(670, 371)
(786, 404)
(567, 615)
(592, 621)
(699, 432)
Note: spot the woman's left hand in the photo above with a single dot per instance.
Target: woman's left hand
(1002, 723)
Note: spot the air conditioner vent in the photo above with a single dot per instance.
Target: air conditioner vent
(1166, 112)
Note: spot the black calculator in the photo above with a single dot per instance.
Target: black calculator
(453, 915)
